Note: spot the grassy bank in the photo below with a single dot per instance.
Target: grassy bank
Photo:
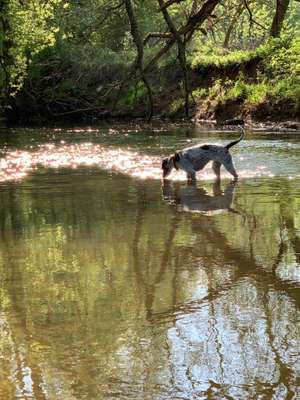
(259, 85)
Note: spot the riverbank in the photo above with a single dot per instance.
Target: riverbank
(259, 88)
(284, 126)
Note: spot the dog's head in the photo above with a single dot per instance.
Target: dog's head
(169, 163)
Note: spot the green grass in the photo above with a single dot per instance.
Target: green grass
(277, 78)
(221, 60)
(249, 93)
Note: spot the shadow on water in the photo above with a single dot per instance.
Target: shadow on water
(114, 287)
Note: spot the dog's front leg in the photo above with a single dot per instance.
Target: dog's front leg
(191, 176)
(188, 167)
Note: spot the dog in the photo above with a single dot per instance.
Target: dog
(195, 158)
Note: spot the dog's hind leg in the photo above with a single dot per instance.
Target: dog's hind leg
(228, 164)
(216, 166)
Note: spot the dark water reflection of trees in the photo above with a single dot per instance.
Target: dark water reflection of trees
(114, 288)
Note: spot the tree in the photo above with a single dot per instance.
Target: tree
(139, 62)
(181, 52)
(25, 30)
(5, 59)
(280, 13)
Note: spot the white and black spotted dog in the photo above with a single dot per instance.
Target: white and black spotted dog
(195, 158)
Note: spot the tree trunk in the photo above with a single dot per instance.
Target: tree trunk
(139, 62)
(280, 13)
(4, 57)
(231, 25)
(181, 54)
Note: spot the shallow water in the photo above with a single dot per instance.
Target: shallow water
(114, 286)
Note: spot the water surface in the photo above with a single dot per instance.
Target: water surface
(116, 286)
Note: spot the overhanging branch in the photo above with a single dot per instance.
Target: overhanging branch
(159, 35)
(251, 19)
(169, 3)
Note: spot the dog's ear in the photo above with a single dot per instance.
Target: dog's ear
(177, 157)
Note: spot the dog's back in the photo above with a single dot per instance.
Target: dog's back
(204, 152)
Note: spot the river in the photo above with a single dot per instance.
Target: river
(114, 285)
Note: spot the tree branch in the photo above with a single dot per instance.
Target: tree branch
(197, 19)
(139, 62)
(189, 28)
(107, 9)
(252, 21)
(169, 3)
(181, 53)
(152, 35)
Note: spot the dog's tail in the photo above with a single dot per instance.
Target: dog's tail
(236, 141)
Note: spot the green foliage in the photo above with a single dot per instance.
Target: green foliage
(235, 30)
(277, 74)
(219, 59)
(282, 69)
(282, 58)
(30, 31)
(79, 52)
(200, 93)
(216, 90)
(134, 95)
(249, 92)
(176, 106)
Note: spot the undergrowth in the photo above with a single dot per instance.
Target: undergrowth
(277, 77)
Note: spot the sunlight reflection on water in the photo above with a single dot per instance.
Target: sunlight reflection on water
(17, 164)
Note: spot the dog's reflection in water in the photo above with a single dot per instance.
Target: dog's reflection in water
(194, 199)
